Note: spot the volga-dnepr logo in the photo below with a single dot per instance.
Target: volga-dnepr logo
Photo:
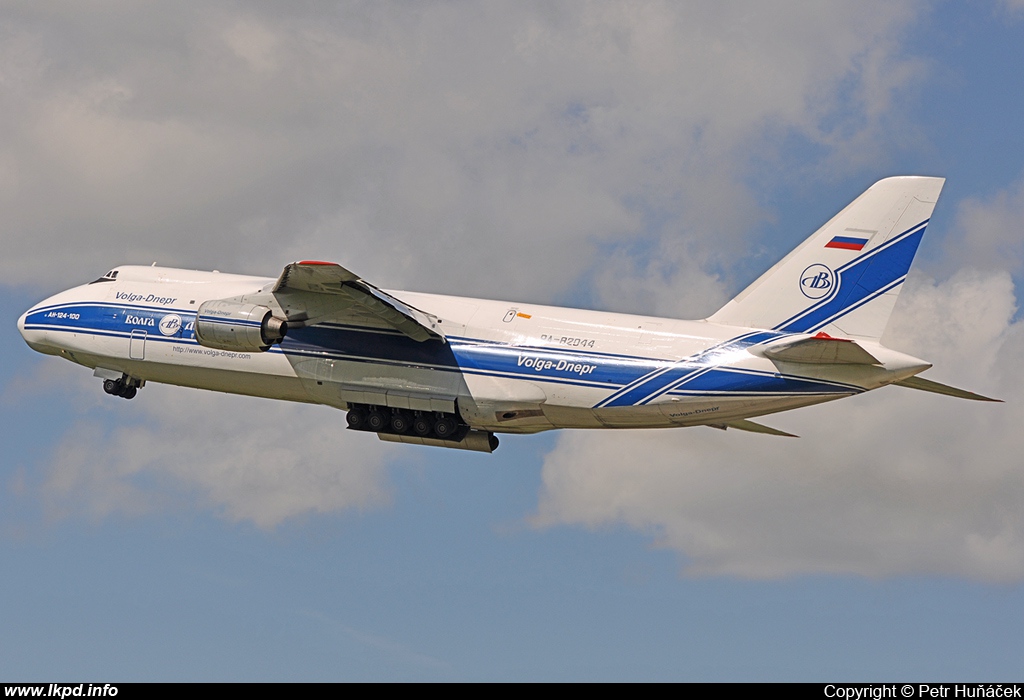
(170, 324)
(816, 281)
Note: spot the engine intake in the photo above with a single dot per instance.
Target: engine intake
(229, 325)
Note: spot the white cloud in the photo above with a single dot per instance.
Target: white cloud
(1013, 6)
(420, 147)
(254, 43)
(895, 482)
(248, 459)
(992, 225)
(494, 150)
(669, 283)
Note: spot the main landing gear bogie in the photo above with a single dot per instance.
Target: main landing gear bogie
(125, 387)
(381, 419)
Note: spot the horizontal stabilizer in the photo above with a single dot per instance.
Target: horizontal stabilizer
(936, 388)
(822, 349)
(752, 427)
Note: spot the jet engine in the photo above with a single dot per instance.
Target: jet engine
(229, 325)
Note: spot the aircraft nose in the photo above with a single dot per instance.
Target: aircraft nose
(36, 339)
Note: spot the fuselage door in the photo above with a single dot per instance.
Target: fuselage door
(137, 345)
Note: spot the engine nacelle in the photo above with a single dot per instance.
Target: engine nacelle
(228, 325)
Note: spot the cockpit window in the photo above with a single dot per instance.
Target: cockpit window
(109, 277)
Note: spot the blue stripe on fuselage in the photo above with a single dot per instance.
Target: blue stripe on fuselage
(686, 370)
(541, 364)
(109, 319)
(727, 381)
(637, 379)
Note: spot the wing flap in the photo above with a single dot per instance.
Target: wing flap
(330, 278)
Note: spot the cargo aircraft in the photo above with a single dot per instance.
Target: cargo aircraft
(452, 371)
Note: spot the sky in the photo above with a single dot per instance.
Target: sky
(642, 157)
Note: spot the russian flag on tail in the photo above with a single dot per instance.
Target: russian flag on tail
(847, 243)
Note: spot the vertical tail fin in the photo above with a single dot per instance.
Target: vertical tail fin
(845, 278)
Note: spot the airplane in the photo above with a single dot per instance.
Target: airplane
(453, 372)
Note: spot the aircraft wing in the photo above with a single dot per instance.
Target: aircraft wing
(356, 297)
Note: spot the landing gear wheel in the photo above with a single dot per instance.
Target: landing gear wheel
(129, 392)
(444, 428)
(375, 421)
(112, 387)
(356, 419)
(422, 426)
(399, 422)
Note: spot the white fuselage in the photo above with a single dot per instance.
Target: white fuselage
(503, 367)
